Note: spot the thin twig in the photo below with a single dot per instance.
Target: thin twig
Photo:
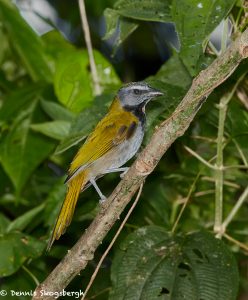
(204, 193)
(235, 209)
(36, 281)
(225, 182)
(203, 138)
(236, 242)
(219, 172)
(240, 152)
(235, 167)
(185, 202)
(100, 293)
(112, 242)
(206, 163)
(85, 25)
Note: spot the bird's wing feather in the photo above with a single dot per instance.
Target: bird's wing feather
(111, 131)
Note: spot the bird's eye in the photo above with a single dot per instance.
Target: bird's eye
(137, 92)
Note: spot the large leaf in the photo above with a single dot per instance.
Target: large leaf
(15, 249)
(57, 130)
(195, 20)
(174, 72)
(73, 82)
(123, 27)
(122, 20)
(147, 10)
(152, 265)
(25, 41)
(4, 222)
(56, 111)
(24, 220)
(17, 100)
(22, 150)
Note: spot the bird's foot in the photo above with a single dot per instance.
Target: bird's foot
(124, 173)
(102, 199)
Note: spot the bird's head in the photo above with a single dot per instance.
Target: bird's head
(137, 94)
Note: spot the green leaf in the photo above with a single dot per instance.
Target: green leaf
(22, 150)
(126, 28)
(4, 222)
(57, 111)
(25, 41)
(73, 83)
(122, 26)
(194, 21)
(172, 95)
(24, 220)
(112, 18)
(123, 18)
(4, 45)
(174, 72)
(146, 10)
(17, 100)
(57, 130)
(152, 264)
(173, 80)
(15, 249)
(56, 44)
(108, 78)
(237, 126)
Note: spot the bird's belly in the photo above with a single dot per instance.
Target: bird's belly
(119, 155)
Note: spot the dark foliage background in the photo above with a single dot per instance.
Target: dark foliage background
(47, 108)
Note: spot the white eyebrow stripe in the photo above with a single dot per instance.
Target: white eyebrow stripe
(139, 87)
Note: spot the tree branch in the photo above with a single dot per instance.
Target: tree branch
(83, 251)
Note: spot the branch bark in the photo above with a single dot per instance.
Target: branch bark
(83, 251)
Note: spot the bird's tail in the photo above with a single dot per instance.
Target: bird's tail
(68, 206)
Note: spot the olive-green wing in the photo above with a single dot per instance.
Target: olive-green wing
(110, 132)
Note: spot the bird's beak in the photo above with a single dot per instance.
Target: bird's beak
(155, 93)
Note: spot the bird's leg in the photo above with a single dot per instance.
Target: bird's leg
(123, 170)
(102, 197)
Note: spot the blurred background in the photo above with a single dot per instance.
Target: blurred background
(141, 55)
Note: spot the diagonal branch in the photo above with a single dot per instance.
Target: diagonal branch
(83, 251)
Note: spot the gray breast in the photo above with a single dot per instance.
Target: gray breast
(119, 155)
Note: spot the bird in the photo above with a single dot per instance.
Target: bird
(114, 141)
